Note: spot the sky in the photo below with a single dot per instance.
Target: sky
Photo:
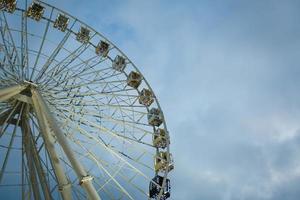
(227, 77)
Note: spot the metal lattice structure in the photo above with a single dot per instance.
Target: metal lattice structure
(78, 119)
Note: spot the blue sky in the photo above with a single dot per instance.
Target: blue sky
(227, 77)
(226, 74)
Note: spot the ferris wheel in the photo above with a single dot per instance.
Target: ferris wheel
(78, 120)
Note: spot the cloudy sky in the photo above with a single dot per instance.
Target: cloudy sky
(227, 77)
(226, 74)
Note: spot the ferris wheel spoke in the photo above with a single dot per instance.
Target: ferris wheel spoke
(93, 102)
(68, 60)
(106, 75)
(94, 158)
(136, 160)
(5, 81)
(11, 40)
(4, 164)
(88, 108)
(114, 134)
(64, 63)
(114, 74)
(54, 54)
(7, 77)
(94, 72)
(83, 64)
(58, 88)
(108, 193)
(120, 101)
(10, 62)
(126, 138)
(128, 180)
(96, 125)
(41, 46)
(116, 173)
(90, 93)
(119, 136)
(74, 75)
(98, 82)
(33, 52)
(111, 73)
(112, 151)
(8, 65)
(76, 141)
(24, 45)
(5, 119)
(52, 74)
(132, 184)
(58, 80)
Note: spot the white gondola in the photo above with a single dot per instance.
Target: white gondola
(160, 139)
(134, 79)
(61, 22)
(119, 63)
(35, 11)
(8, 5)
(155, 117)
(155, 188)
(146, 97)
(102, 48)
(163, 162)
(83, 35)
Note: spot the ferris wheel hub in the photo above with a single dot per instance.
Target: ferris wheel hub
(30, 84)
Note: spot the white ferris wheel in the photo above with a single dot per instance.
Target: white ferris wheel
(78, 120)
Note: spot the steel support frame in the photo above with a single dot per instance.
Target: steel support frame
(50, 122)
(63, 182)
(32, 155)
(31, 167)
(9, 92)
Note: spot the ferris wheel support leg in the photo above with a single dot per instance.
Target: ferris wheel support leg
(30, 165)
(32, 154)
(8, 92)
(85, 179)
(63, 182)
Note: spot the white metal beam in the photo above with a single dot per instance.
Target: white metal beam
(9, 92)
(85, 179)
(32, 154)
(63, 182)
